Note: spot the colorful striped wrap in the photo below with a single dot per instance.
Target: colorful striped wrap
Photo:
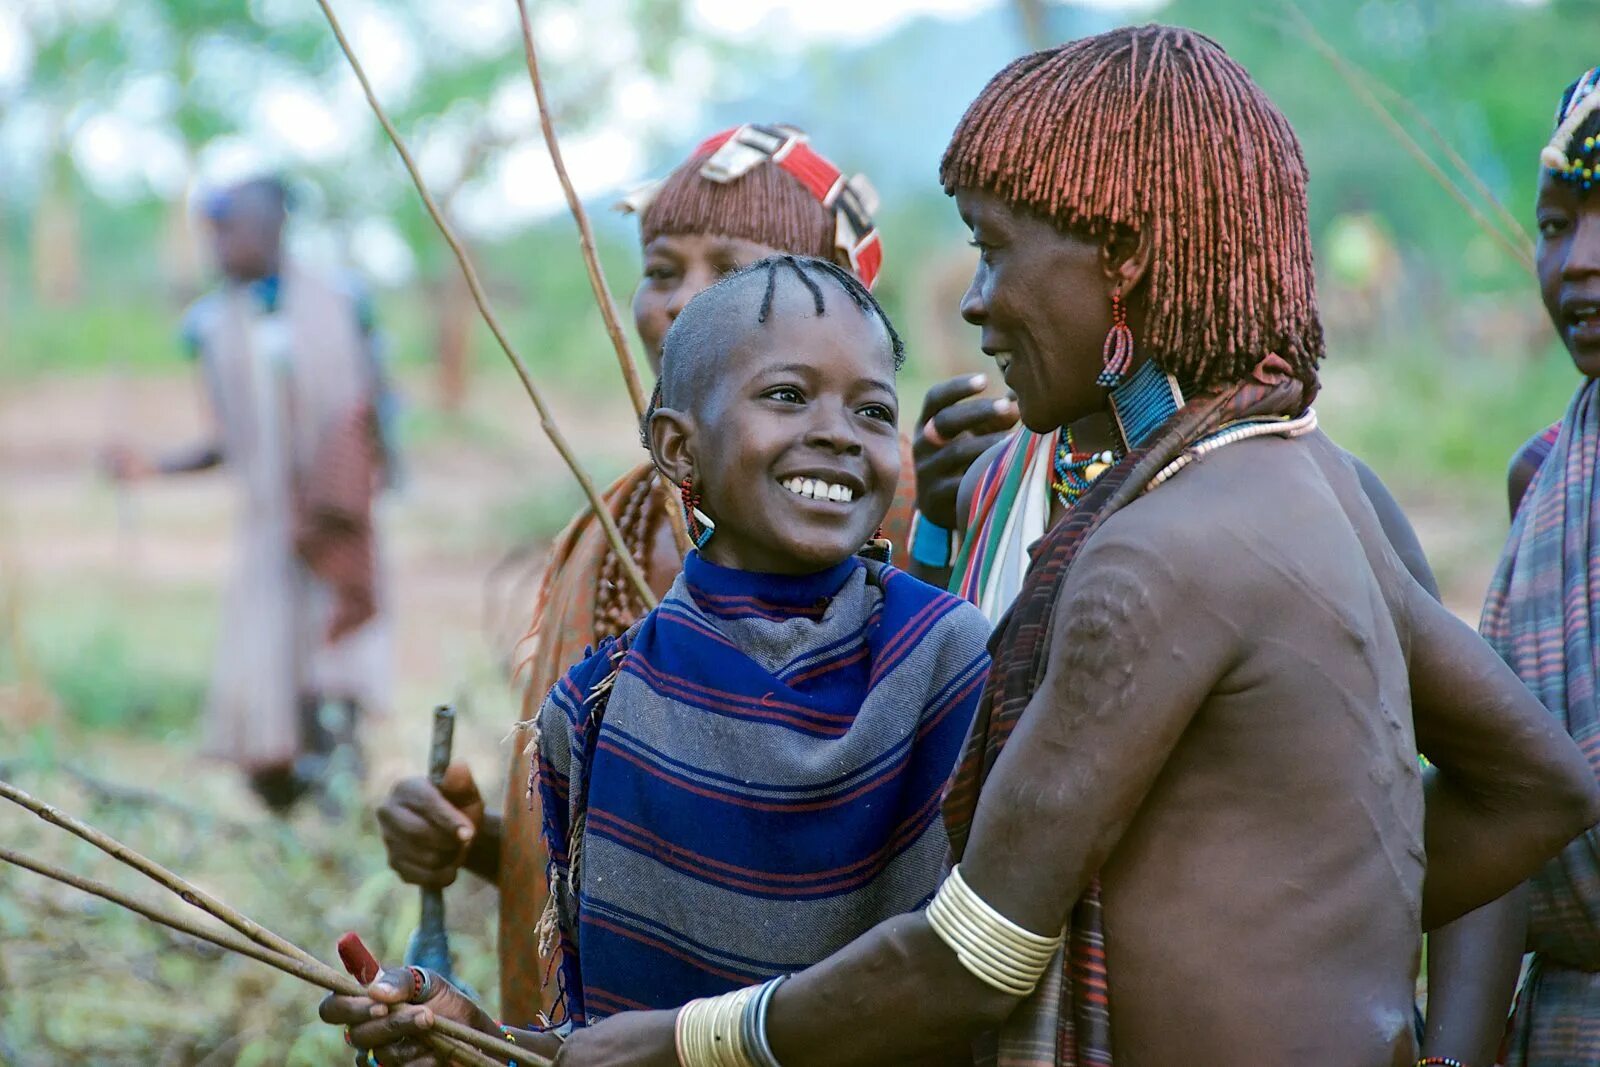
(762, 784)
(1066, 1021)
(1009, 511)
(1543, 616)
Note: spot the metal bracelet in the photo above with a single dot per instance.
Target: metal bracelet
(754, 1024)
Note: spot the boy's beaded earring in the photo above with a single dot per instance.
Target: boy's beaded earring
(1118, 352)
(880, 548)
(699, 523)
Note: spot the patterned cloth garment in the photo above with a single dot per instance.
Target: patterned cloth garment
(1008, 514)
(751, 778)
(565, 630)
(1543, 616)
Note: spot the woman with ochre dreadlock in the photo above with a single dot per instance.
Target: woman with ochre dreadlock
(741, 195)
(1190, 827)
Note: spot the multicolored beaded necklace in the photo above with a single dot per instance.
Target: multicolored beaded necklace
(1076, 471)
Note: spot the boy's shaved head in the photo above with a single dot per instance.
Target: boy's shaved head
(714, 322)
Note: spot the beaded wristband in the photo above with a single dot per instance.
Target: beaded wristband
(1439, 1061)
(930, 543)
(994, 949)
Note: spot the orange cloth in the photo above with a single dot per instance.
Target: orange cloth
(563, 630)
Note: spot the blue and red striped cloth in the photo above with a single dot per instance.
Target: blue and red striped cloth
(764, 783)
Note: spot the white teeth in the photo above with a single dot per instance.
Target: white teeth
(817, 489)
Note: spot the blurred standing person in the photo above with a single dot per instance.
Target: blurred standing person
(289, 367)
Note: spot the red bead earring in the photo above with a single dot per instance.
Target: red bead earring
(1118, 352)
(698, 522)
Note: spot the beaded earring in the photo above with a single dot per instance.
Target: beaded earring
(1118, 352)
(880, 548)
(698, 522)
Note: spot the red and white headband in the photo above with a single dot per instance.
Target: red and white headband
(733, 153)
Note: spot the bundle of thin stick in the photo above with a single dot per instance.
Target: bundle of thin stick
(1503, 227)
(455, 1042)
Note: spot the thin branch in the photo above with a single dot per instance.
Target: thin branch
(150, 869)
(546, 421)
(591, 259)
(1521, 250)
(311, 971)
(1513, 224)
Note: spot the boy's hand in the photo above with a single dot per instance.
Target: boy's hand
(392, 1019)
(427, 830)
(957, 426)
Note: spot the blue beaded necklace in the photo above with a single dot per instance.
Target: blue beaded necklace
(1141, 404)
(1144, 402)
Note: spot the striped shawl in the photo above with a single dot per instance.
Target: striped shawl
(763, 782)
(1543, 617)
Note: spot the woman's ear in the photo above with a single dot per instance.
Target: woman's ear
(671, 443)
(1125, 258)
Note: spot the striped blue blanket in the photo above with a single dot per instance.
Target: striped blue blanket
(764, 783)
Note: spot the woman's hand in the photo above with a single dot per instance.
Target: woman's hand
(632, 1039)
(394, 1018)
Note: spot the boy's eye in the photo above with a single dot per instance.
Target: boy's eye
(881, 412)
(659, 272)
(1551, 225)
(985, 251)
(785, 394)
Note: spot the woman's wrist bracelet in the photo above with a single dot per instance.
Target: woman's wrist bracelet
(1439, 1061)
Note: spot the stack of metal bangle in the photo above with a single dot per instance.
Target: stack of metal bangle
(727, 1031)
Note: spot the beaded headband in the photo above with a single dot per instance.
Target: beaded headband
(1577, 104)
(733, 153)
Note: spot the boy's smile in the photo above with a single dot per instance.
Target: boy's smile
(792, 441)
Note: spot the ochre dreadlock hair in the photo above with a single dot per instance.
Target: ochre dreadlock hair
(1154, 130)
(766, 205)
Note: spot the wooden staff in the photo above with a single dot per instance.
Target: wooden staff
(591, 260)
(546, 419)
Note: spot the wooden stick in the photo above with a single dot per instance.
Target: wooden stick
(311, 971)
(546, 420)
(591, 259)
(189, 894)
(1520, 251)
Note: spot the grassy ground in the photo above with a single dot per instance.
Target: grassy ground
(107, 602)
